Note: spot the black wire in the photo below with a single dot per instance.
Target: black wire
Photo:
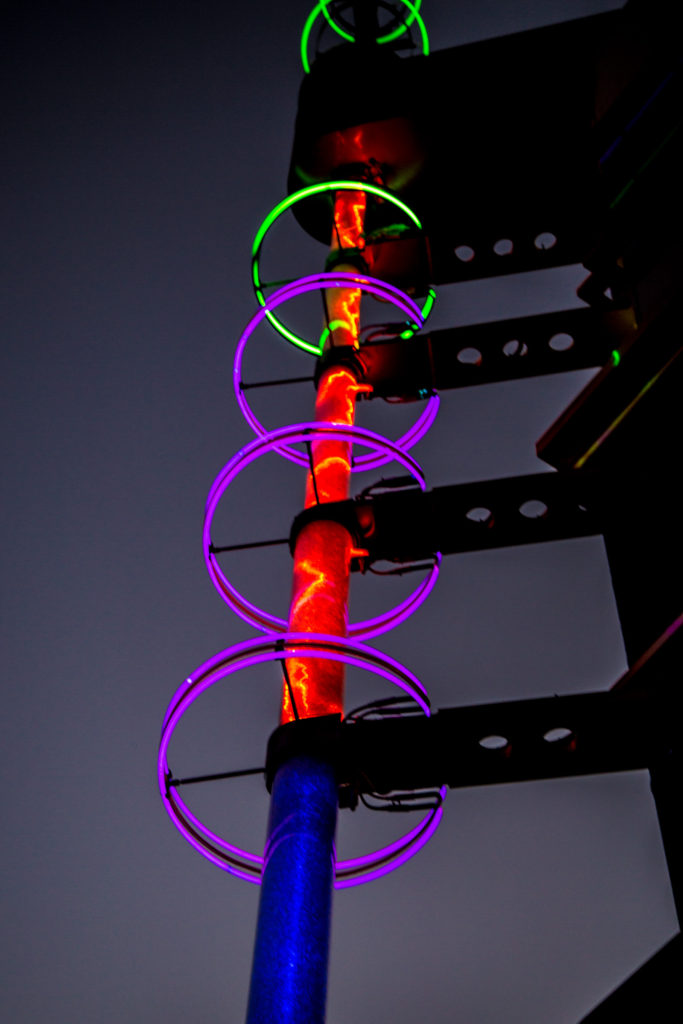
(382, 332)
(275, 383)
(211, 778)
(388, 713)
(390, 483)
(310, 462)
(401, 803)
(411, 796)
(336, 231)
(243, 547)
(403, 569)
(289, 688)
(384, 705)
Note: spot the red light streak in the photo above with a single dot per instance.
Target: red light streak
(322, 558)
(319, 604)
(349, 217)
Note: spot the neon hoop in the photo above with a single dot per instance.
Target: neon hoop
(398, 31)
(318, 282)
(296, 197)
(234, 859)
(297, 433)
(321, 7)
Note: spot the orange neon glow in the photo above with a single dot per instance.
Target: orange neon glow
(349, 218)
(343, 304)
(343, 312)
(335, 403)
(319, 604)
(320, 582)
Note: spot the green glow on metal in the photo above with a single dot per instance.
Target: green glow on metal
(329, 186)
(428, 303)
(307, 346)
(426, 310)
(333, 325)
(616, 358)
(321, 8)
(310, 20)
(622, 415)
(282, 207)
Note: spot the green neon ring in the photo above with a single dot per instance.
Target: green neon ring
(321, 8)
(291, 200)
(398, 31)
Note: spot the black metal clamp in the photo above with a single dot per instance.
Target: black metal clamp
(345, 356)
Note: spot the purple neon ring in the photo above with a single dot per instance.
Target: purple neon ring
(343, 278)
(315, 282)
(392, 859)
(234, 859)
(259, 617)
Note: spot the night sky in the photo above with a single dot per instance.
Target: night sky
(143, 144)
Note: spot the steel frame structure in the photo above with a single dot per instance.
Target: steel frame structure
(599, 186)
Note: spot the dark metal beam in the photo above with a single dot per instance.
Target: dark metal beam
(531, 140)
(463, 517)
(596, 733)
(503, 160)
(627, 728)
(572, 339)
(479, 516)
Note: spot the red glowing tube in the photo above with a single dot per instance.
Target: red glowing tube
(320, 587)
(322, 556)
(349, 218)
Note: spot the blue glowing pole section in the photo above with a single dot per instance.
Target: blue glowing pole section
(289, 973)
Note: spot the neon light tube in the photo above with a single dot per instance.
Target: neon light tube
(321, 8)
(232, 858)
(257, 616)
(373, 286)
(332, 187)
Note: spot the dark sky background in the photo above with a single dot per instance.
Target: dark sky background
(143, 145)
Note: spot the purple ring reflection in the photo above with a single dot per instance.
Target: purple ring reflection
(259, 617)
(232, 858)
(408, 846)
(315, 282)
(341, 279)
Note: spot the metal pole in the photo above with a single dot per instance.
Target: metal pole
(289, 973)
